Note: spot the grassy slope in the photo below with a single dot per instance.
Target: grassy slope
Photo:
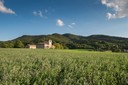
(25, 66)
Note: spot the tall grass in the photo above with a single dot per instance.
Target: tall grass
(62, 67)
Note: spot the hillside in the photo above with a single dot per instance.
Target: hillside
(69, 37)
(71, 41)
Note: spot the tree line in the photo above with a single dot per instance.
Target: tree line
(70, 41)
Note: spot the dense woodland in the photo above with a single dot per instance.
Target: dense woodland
(71, 41)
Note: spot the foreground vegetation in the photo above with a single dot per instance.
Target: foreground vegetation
(62, 67)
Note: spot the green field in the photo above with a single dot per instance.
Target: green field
(62, 67)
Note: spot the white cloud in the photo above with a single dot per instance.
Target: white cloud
(72, 25)
(41, 13)
(111, 16)
(4, 9)
(120, 8)
(59, 23)
(38, 13)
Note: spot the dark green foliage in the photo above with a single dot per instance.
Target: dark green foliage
(58, 46)
(8, 44)
(18, 44)
(115, 48)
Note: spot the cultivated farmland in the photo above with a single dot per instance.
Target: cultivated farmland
(62, 67)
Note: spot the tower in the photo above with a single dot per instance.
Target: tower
(50, 43)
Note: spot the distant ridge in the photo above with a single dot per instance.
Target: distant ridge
(68, 36)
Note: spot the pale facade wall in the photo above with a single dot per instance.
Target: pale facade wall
(32, 46)
(45, 45)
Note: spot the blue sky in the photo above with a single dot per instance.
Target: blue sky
(81, 17)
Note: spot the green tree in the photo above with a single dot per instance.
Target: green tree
(18, 44)
(4, 45)
(115, 48)
(58, 46)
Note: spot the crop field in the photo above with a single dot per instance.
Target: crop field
(62, 67)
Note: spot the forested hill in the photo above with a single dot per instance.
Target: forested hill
(71, 41)
(69, 38)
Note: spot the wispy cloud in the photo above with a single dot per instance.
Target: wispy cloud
(41, 13)
(59, 23)
(120, 8)
(4, 9)
(38, 13)
(72, 25)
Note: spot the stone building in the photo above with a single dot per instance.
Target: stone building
(31, 46)
(45, 45)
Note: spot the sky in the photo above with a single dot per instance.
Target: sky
(80, 17)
